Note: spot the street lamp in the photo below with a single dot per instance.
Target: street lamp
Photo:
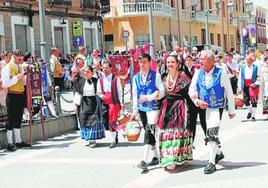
(206, 11)
(249, 8)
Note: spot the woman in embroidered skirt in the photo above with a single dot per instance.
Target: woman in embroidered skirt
(90, 108)
(264, 81)
(175, 138)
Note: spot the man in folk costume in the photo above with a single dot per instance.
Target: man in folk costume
(13, 80)
(146, 91)
(210, 85)
(56, 67)
(248, 83)
(193, 111)
(109, 89)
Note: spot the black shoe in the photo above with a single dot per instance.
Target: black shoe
(253, 119)
(116, 138)
(11, 147)
(22, 145)
(219, 157)
(155, 161)
(210, 168)
(142, 165)
(112, 145)
(249, 115)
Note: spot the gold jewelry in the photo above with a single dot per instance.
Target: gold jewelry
(170, 88)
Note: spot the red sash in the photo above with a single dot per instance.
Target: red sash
(108, 98)
(247, 82)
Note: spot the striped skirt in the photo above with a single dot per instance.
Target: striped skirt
(175, 139)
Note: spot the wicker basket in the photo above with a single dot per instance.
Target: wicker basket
(239, 102)
(123, 119)
(133, 130)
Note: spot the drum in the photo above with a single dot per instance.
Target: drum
(133, 130)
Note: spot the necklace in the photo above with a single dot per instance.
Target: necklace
(172, 86)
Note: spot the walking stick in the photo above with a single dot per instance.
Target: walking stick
(39, 70)
(29, 100)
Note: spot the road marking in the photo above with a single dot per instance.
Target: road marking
(152, 178)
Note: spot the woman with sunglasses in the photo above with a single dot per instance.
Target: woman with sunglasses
(175, 138)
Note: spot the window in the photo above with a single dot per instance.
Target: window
(1, 44)
(219, 39)
(195, 41)
(223, 9)
(212, 38)
(232, 40)
(58, 32)
(140, 40)
(203, 36)
(90, 37)
(210, 4)
(163, 42)
(183, 4)
(202, 7)
(21, 37)
(225, 42)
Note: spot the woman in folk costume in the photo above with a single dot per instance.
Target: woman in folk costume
(146, 91)
(264, 83)
(248, 83)
(90, 108)
(175, 138)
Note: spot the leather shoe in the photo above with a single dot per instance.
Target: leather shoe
(210, 168)
(11, 147)
(219, 157)
(142, 165)
(155, 161)
(22, 145)
(249, 115)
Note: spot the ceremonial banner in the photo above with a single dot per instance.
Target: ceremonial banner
(36, 84)
(44, 80)
(136, 66)
(120, 65)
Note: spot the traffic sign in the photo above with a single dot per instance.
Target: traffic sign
(78, 41)
(125, 34)
(77, 28)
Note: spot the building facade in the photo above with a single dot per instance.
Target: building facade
(174, 23)
(69, 24)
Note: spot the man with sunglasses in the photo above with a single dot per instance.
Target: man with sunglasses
(13, 80)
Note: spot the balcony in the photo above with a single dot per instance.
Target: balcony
(105, 6)
(60, 3)
(89, 4)
(11, 2)
(201, 17)
(142, 8)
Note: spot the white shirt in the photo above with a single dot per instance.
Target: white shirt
(225, 83)
(5, 75)
(107, 86)
(248, 75)
(233, 65)
(159, 85)
(88, 89)
(52, 63)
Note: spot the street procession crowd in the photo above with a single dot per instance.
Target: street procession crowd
(166, 93)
